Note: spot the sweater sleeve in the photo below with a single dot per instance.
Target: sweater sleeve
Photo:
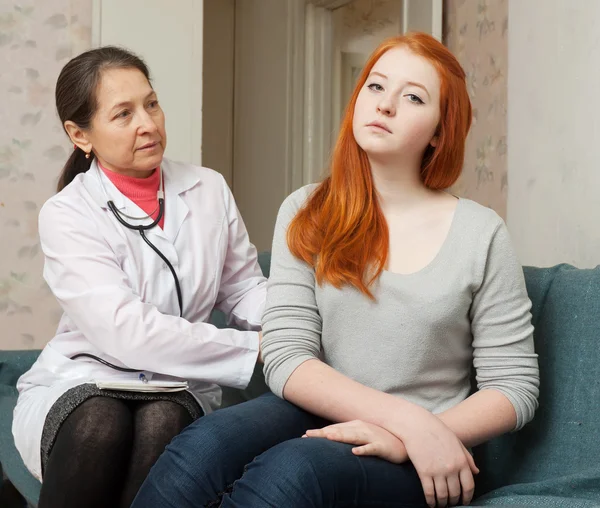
(291, 321)
(503, 352)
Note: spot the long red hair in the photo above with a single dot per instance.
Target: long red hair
(341, 231)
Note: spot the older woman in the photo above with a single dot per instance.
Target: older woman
(138, 251)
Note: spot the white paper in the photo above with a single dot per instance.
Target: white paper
(135, 385)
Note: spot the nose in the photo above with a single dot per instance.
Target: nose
(147, 124)
(386, 106)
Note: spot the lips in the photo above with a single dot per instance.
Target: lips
(379, 125)
(148, 145)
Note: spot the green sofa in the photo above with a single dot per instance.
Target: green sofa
(12, 365)
(554, 462)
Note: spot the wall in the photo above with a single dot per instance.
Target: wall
(36, 40)
(553, 131)
(476, 32)
(531, 153)
(261, 114)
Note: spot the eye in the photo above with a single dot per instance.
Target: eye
(153, 104)
(123, 114)
(414, 98)
(376, 87)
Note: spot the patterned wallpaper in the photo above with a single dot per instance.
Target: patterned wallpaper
(363, 24)
(476, 32)
(36, 39)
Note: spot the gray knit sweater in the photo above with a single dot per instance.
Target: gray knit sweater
(425, 331)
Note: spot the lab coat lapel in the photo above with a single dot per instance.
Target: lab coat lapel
(101, 188)
(178, 180)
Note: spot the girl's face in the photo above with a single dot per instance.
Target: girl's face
(397, 111)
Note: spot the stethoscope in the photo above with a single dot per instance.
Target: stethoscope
(141, 228)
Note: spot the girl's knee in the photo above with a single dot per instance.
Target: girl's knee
(308, 465)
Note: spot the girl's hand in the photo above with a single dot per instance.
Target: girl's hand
(444, 465)
(370, 440)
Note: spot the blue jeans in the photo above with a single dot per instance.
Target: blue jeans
(252, 456)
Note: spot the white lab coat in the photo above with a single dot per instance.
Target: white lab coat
(119, 297)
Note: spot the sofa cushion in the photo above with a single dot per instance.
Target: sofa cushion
(257, 385)
(12, 365)
(556, 455)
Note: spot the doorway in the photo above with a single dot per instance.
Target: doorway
(276, 77)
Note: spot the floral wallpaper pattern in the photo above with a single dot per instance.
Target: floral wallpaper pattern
(36, 40)
(362, 24)
(476, 32)
(379, 18)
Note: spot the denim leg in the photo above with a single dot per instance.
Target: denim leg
(317, 473)
(202, 462)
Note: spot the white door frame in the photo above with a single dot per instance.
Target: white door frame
(424, 16)
(318, 84)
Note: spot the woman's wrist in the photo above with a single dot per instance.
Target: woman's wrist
(405, 418)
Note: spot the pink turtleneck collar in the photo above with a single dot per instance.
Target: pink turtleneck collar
(142, 191)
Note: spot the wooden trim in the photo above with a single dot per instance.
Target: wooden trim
(437, 20)
(197, 58)
(310, 77)
(329, 4)
(295, 95)
(423, 15)
(317, 96)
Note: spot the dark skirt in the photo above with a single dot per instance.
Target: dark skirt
(71, 399)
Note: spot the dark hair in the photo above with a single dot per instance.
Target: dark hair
(76, 96)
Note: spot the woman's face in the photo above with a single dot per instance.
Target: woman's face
(127, 132)
(398, 108)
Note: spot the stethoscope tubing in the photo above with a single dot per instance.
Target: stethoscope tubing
(141, 229)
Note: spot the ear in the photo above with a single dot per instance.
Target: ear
(434, 141)
(78, 136)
